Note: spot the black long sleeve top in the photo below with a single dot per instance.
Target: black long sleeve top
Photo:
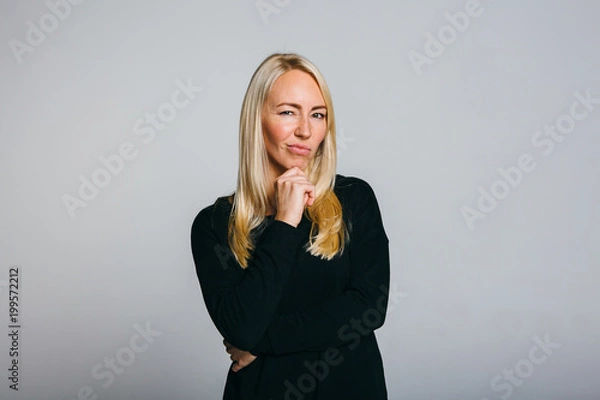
(309, 321)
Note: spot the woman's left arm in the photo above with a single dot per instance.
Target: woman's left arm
(357, 311)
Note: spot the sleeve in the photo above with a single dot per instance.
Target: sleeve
(359, 310)
(242, 302)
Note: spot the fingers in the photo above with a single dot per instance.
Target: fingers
(236, 367)
(237, 356)
(293, 174)
(293, 191)
(241, 359)
(228, 346)
(311, 196)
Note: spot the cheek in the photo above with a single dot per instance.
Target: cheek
(276, 132)
(322, 131)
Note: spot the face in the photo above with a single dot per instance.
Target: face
(294, 120)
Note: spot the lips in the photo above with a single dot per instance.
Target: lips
(300, 146)
(299, 149)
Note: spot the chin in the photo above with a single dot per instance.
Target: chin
(302, 166)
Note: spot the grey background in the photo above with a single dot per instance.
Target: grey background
(426, 140)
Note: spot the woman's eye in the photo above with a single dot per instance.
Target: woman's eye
(286, 112)
(319, 115)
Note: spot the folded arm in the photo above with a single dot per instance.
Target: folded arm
(242, 302)
(358, 310)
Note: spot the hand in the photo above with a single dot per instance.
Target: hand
(293, 191)
(239, 357)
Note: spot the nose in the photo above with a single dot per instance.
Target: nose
(303, 129)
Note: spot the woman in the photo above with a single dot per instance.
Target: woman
(294, 265)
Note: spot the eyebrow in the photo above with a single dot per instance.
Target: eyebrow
(298, 106)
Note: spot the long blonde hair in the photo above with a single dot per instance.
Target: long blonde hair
(328, 233)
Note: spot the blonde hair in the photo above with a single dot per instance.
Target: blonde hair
(328, 233)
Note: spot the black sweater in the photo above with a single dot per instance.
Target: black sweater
(309, 321)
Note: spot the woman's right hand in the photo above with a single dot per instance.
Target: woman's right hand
(293, 191)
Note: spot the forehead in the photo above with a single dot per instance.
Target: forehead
(296, 85)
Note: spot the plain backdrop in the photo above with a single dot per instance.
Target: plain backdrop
(468, 119)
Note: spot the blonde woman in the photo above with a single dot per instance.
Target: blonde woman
(294, 265)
